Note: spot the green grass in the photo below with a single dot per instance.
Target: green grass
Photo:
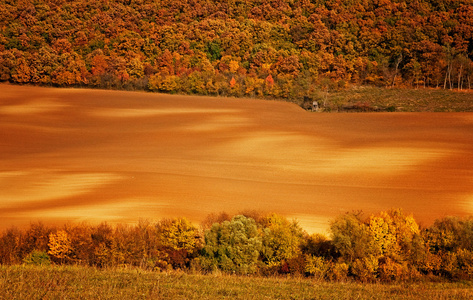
(401, 99)
(71, 282)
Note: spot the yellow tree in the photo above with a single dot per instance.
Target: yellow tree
(282, 240)
(393, 232)
(178, 234)
(180, 240)
(384, 234)
(395, 241)
(60, 245)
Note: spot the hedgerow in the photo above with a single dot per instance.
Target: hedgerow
(389, 246)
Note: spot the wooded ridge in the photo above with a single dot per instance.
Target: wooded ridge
(284, 49)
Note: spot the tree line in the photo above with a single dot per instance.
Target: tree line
(389, 246)
(287, 49)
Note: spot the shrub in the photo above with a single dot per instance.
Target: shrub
(364, 269)
(36, 238)
(295, 266)
(449, 264)
(390, 270)
(81, 243)
(466, 234)
(38, 258)
(166, 83)
(102, 243)
(178, 234)
(338, 271)
(429, 263)
(397, 241)
(465, 263)
(319, 245)
(317, 266)
(405, 228)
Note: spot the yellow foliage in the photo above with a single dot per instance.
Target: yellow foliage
(365, 269)
(167, 83)
(234, 66)
(384, 235)
(266, 67)
(317, 266)
(254, 85)
(179, 234)
(392, 231)
(338, 271)
(281, 239)
(59, 244)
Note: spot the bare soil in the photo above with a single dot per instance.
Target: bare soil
(91, 155)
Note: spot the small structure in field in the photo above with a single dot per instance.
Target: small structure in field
(315, 106)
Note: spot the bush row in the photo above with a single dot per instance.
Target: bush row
(386, 247)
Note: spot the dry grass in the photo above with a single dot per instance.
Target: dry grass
(401, 99)
(70, 282)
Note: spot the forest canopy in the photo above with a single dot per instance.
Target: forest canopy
(287, 49)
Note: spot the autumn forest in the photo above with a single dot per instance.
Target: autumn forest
(286, 49)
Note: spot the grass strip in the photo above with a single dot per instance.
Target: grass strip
(74, 282)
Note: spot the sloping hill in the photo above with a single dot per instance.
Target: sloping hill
(73, 154)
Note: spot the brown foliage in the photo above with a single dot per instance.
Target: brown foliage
(214, 218)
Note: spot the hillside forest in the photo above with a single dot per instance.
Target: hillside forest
(388, 246)
(286, 49)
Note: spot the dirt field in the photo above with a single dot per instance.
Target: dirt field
(85, 155)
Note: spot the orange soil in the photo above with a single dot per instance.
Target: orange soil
(89, 155)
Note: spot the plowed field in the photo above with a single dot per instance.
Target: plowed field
(90, 155)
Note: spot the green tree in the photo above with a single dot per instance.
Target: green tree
(232, 246)
(352, 238)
